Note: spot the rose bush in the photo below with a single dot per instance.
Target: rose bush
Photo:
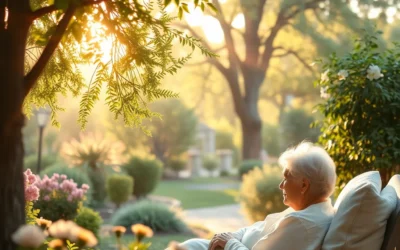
(60, 198)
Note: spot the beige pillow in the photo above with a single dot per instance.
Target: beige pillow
(361, 214)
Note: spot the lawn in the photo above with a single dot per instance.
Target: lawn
(158, 242)
(199, 198)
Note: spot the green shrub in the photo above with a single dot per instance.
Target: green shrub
(176, 165)
(89, 219)
(260, 194)
(145, 173)
(271, 139)
(119, 188)
(210, 163)
(157, 216)
(76, 174)
(31, 161)
(296, 127)
(224, 173)
(97, 177)
(248, 165)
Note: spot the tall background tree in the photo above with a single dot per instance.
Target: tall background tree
(43, 46)
(250, 52)
(171, 135)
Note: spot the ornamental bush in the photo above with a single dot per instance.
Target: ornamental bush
(260, 194)
(361, 110)
(248, 165)
(31, 161)
(210, 162)
(146, 174)
(157, 216)
(119, 188)
(60, 198)
(89, 219)
(176, 164)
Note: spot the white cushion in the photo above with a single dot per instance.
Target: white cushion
(361, 214)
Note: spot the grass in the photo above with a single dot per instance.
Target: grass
(158, 242)
(190, 199)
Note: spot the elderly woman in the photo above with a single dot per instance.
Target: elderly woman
(308, 180)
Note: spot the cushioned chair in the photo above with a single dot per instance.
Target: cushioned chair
(392, 234)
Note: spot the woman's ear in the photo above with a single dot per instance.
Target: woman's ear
(305, 186)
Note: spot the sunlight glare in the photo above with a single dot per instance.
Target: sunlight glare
(212, 29)
(374, 13)
(98, 32)
(238, 22)
(195, 16)
(170, 8)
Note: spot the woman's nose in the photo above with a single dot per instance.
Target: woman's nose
(281, 185)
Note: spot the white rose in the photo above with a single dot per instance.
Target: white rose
(374, 72)
(29, 236)
(62, 229)
(323, 92)
(324, 76)
(343, 74)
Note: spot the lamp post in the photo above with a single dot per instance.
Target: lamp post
(42, 116)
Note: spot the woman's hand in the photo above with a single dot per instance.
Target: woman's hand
(219, 241)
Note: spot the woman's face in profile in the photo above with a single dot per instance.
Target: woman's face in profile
(291, 189)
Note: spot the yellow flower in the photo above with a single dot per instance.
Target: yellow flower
(141, 231)
(56, 244)
(119, 231)
(86, 238)
(174, 245)
(43, 223)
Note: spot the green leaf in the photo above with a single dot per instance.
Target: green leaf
(212, 7)
(166, 3)
(196, 3)
(202, 6)
(177, 2)
(185, 7)
(61, 4)
(180, 13)
(76, 31)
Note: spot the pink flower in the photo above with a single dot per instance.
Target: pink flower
(77, 194)
(28, 172)
(63, 177)
(31, 193)
(46, 198)
(85, 187)
(32, 179)
(69, 198)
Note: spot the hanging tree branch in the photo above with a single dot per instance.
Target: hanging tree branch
(51, 8)
(296, 54)
(48, 51)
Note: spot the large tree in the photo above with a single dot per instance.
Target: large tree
(43, 46)
(247, 55)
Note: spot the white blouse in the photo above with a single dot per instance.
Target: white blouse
(304, 229)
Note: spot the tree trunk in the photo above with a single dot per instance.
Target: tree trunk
(12, 200)
(250, 115)
(13, 37)
(251, 135)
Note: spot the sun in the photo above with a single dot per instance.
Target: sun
(98, 34)
(212, 29)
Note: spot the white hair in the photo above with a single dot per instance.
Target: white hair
(313, 163)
